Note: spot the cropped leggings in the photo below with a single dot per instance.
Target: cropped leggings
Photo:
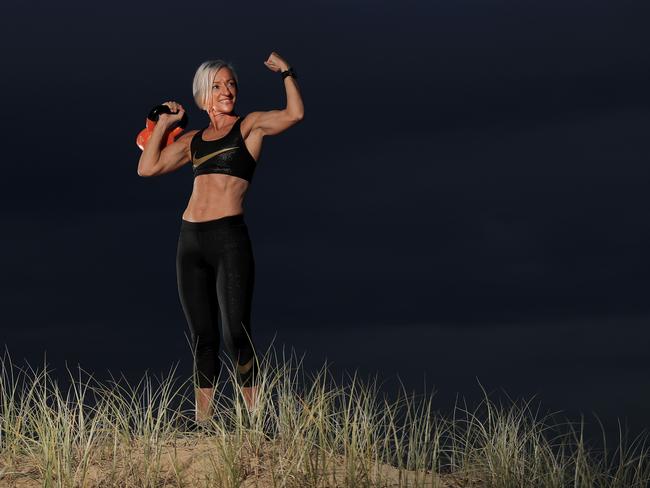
(215, 272)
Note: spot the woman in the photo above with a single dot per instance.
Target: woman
(214, 263)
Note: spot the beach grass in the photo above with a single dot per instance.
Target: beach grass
(306, 430)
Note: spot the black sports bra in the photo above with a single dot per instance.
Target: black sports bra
(227, 155)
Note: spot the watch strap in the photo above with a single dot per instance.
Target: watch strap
(289, 72)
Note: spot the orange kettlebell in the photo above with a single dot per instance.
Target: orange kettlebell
(174, 130)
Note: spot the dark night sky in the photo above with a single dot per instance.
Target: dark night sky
(466, 196)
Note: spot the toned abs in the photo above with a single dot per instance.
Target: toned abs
(215, 196)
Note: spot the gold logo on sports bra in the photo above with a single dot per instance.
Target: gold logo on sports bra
(203, 159)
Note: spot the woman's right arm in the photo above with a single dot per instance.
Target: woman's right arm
(153, 161)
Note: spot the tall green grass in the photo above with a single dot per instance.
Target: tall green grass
(307, 430)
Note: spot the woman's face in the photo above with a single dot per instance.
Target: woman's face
(223, 92)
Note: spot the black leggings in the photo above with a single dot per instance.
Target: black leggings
(215, 271)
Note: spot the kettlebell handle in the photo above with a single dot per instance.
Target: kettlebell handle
(155, 112)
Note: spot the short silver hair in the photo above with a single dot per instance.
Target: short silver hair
(202, 84)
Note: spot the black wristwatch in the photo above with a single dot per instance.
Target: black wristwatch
(289, 72)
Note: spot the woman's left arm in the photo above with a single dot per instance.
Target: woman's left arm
(273, 122)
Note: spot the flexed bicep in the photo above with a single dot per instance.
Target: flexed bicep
(273, 122)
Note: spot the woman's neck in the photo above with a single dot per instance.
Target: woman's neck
(221, 120)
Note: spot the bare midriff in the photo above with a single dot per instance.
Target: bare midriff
(214, 196)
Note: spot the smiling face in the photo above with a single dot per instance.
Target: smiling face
(223, 92)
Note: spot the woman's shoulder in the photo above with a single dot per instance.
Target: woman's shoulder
(189, 134)
(187, 137)
(248, 121)
(250, 116)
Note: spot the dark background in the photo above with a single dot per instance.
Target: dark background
(465, 200)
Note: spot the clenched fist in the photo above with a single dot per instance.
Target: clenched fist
(177, 113)
(276, 63)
